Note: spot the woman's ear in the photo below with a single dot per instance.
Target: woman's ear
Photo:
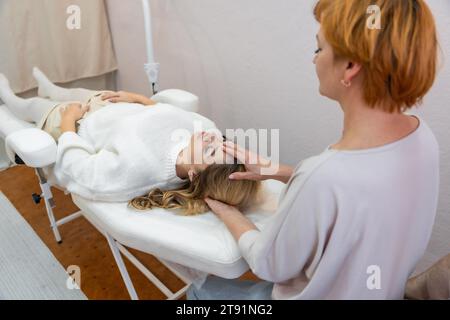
(192, 173)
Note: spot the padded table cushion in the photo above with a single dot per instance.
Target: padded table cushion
(200, 242)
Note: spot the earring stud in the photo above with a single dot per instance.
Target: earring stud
(346, 84)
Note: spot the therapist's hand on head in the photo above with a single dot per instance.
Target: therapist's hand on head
(235, 221)
(254, 164)
(220, 208)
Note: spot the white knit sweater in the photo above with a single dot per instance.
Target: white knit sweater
(124, 150)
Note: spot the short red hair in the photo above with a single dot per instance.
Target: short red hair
(399, 60)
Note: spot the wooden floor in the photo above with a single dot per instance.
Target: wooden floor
(82, 244)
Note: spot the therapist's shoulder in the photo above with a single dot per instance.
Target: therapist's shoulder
(321, 171)
(314, 188)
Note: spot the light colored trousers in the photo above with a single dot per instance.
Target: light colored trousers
(216, 288)
(51, 121)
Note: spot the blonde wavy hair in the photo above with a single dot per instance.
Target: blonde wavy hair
(213, 182)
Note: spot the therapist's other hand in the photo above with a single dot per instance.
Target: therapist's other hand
(220, 208)
(73, 111)
(253, 162)
(235, 221)
(124, 96)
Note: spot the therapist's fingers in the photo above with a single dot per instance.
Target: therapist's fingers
(236, 151)
(241, 152)
(214, 205)
(218, 207)
(246, 176)
(250, 159)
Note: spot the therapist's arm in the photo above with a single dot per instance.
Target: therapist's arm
(283, 174)
(235, 221)
(296, 235)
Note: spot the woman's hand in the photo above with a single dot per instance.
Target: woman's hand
(74, 111)
(255, 164)
(119, 96)
(71, 114)
(124, 96)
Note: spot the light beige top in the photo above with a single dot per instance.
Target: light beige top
(351, 224)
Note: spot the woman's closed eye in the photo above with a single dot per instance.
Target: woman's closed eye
(318, 50)
(210, 151)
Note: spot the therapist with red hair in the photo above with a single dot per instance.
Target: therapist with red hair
(354, 220)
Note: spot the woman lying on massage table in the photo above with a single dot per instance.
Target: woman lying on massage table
(120, 146)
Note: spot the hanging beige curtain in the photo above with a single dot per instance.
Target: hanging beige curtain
(35, 33)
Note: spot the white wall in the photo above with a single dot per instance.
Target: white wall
(250, 62)
(127, 27)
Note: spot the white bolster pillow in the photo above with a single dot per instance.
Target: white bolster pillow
(35, 147)
(179, 98)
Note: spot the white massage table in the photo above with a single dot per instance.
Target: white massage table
(189, 246)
